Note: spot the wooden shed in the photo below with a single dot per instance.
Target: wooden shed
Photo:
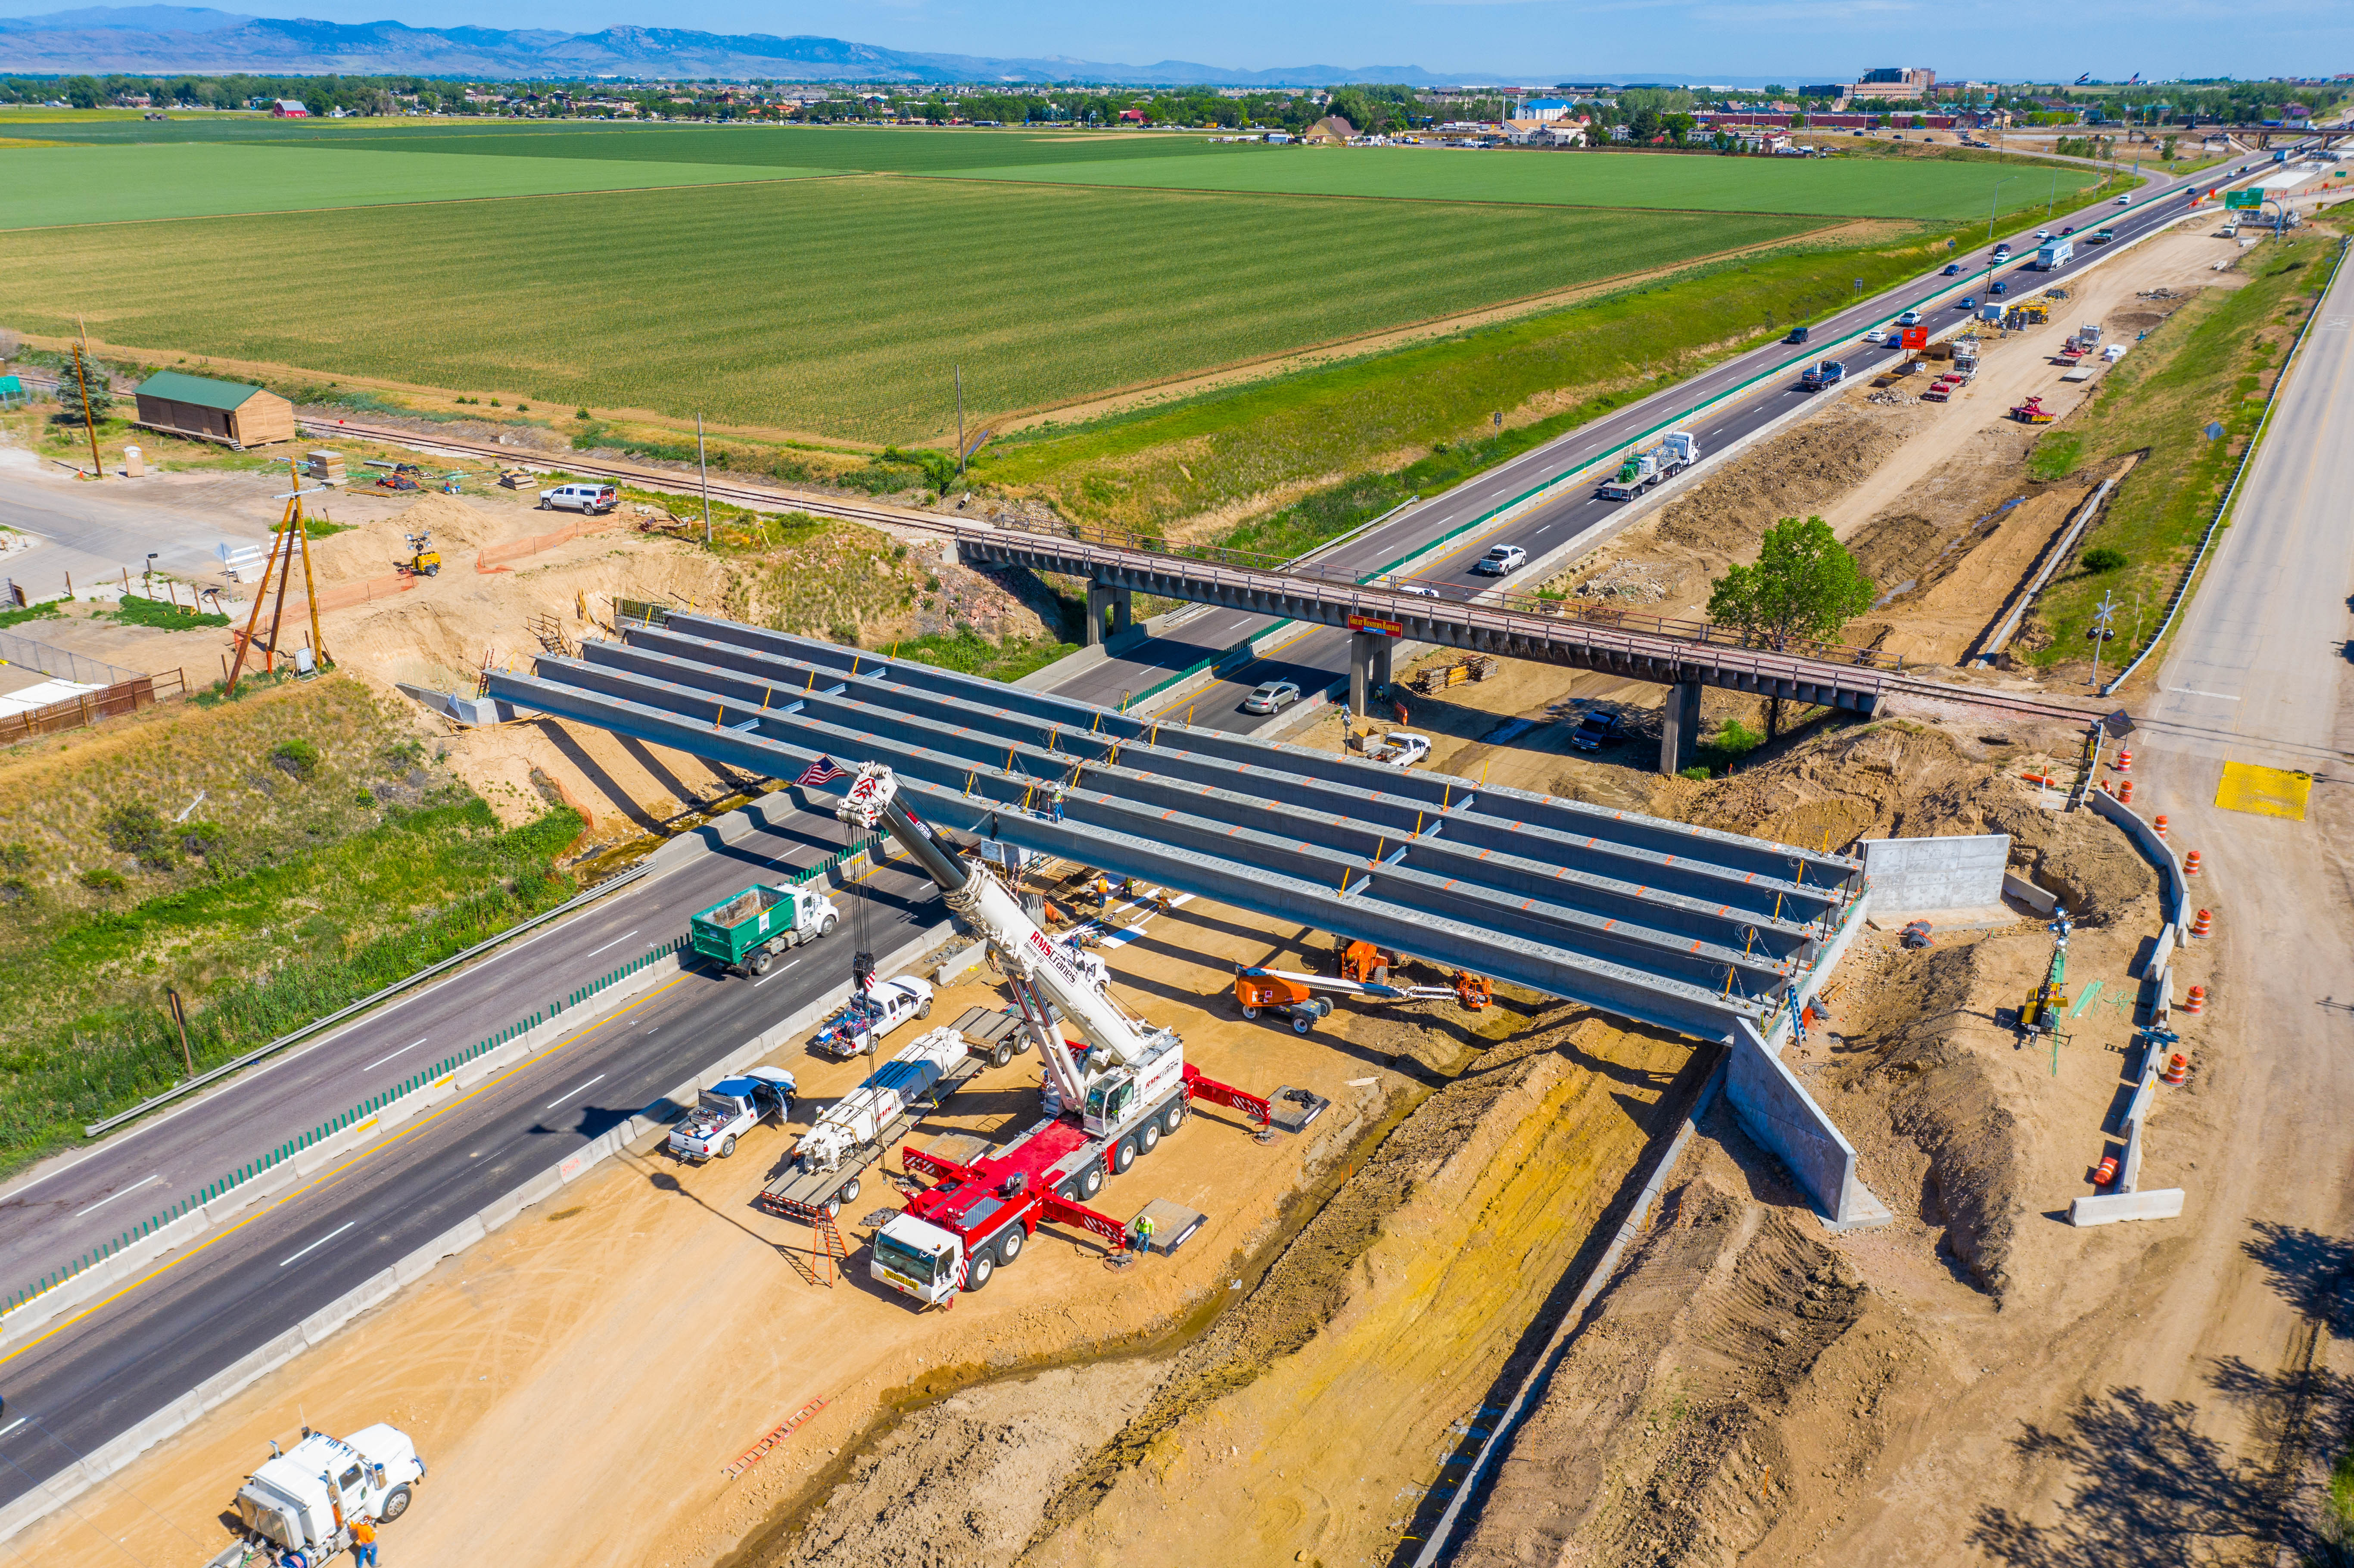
(225, 411)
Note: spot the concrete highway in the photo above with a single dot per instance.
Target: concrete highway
(1316, 657)
(61, 1209)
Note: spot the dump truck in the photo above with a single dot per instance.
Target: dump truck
(306, 1498)
(1655, 464)
(1827, 373)
(745, 931)
(829, 1163)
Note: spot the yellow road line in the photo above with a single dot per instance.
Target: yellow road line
(328, 1176)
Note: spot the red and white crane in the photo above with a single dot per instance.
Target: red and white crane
(1110, 1097)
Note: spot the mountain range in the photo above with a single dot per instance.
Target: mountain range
(163, 39)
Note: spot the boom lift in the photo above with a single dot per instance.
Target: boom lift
(1292, 994)
(1109, 1101)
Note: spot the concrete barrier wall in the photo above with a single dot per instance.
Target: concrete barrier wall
(1775, 1109)
(118, 1452)
(2165, 1203)
(1910, 875)
(2026, 893)
(2155, 851)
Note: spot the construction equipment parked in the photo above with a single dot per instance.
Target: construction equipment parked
(2032, 412)
(730, 1109)
(747, 930)
(872, 1012)
(1826, 372)
(858, 1129)
(1293, 995)
(424, 560)
(1655, 464)
(307, 1499)
(1107, 1102)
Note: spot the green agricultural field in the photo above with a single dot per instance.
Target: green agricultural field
(1926, 190)
(836, 306)
(50, 186)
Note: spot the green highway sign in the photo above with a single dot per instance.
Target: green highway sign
(2243, 198)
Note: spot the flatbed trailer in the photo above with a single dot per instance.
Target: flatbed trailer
(991, 1039)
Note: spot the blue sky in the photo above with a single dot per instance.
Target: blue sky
(1699, 39)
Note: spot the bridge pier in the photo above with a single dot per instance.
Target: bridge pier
(1100, 597)
(1678, 726)
(1369, 668)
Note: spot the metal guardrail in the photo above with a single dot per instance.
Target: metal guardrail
(2231, 492)
(215, 1074)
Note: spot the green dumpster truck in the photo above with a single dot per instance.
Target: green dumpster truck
(747, 930)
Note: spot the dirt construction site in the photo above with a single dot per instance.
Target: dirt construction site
(1496, 1227)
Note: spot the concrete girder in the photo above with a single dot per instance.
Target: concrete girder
(1688, 900)
(1206, 820)
(934, 781)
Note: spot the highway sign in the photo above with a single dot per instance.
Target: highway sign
(1375, 625)
(2243, 198)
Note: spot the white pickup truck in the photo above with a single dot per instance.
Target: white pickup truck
(730, 1109)
(1399, 749)
(861, 1023)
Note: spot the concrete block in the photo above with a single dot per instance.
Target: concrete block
(425, 1260)
(241, 1373)
(1916, 876)
(498, 1211)
(548, 1184)
(960, 965)
(2107, 1209)
(2026, 893)
(377, 1287)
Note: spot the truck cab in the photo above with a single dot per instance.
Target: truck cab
(862, 1021)
(307, 1497)
(921, 1260)
(730, 1109)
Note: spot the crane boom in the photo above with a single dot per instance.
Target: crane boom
(1041, 970)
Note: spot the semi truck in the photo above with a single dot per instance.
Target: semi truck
(746, 931)
(1827, 373)
(299, 1505)
(1110, 1098)
(829, 1164)
(2053, 253)
(1655, 464)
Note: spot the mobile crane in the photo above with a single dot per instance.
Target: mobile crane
(1109, 1102)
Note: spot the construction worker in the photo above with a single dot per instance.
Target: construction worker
(1055, 804)
(1140, 1234)
(363, 1543)
(1103, 891)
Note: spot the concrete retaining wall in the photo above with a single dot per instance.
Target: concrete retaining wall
(1914, 875)
(1775, 1109)
(118, 1452)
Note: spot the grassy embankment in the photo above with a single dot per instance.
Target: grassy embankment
(272, 859)
(2211, 362)
(1278, 466)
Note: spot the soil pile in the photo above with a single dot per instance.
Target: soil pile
(1801, 472)
(1738, 1379)
(374, 549)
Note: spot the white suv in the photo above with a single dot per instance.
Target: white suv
(589, 498)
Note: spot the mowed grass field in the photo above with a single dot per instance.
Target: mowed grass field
(831, 306)
(53, 186)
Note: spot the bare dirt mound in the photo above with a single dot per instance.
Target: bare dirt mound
(374, 549)
(1737, 1378)
(1801, 472)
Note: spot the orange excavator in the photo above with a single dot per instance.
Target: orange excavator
(1364, 972)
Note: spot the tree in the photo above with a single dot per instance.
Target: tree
(1804, 586)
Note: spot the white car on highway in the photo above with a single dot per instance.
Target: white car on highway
(1910, 318)
(1499, 560)
(1419, 590)
(1271, 696)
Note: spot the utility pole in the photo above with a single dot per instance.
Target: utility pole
(1994, 203)
(180, 1017)
(959, 385)
(89, 420)
(704, 469)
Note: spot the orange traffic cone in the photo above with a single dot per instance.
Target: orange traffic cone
(2190, 863)
(2160, 825)
(2125, 793)
(2107, 1170)
(2205, 926)
(2123, 761)
(2196, 1000)
(2176, 1068)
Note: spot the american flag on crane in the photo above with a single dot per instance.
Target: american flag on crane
(822, 771)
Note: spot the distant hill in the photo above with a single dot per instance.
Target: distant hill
(160, 39)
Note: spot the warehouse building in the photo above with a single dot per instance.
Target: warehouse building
(227, 411)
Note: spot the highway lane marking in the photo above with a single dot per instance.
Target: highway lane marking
(582, 1090)
(2195, 692)
(322, 1241)
(336, 1173)
(614, 943)
(380, 1061)
(759, 983)
(14, 1424)
(133, 1188)
(69, 1165)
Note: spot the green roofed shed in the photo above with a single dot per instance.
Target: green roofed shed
(229, 411)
